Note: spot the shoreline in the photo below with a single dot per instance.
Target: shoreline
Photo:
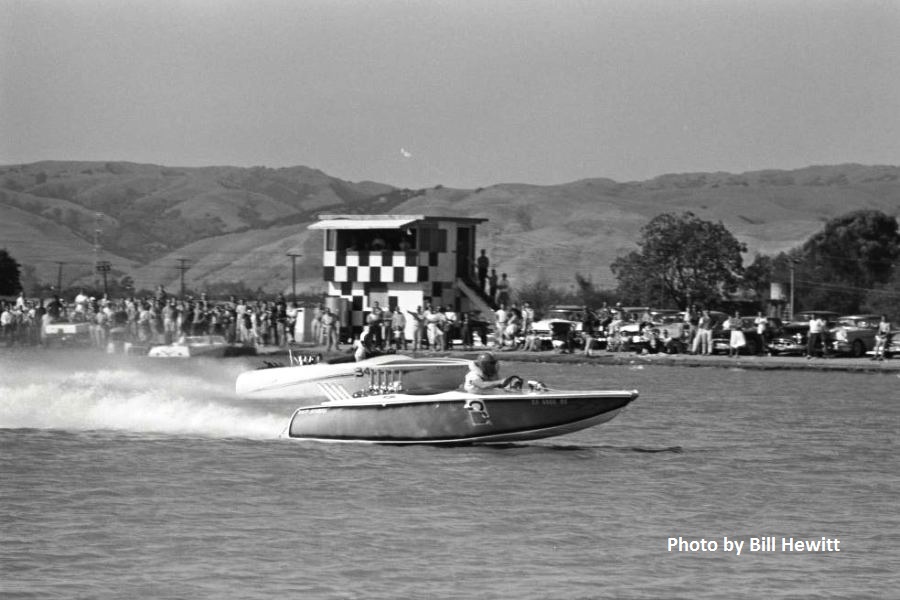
(763, 363)
(600, 358)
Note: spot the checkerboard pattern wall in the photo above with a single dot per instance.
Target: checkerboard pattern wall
(379, 267)
(352, 275)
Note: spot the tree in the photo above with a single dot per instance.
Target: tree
(10, 274)
(539, 294)
(885, 299)
(682, 259)
(758, 277)
(839, 267)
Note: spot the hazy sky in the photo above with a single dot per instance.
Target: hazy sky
(453, 92)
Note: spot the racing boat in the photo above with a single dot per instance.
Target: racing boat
(455, 417)
(308, 383)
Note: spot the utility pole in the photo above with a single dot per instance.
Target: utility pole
(103, 267)
(182, 267)
(792, 262)
(294, 257)
(97, 217)
(59, 276)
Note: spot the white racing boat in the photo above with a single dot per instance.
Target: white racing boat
(309, 383)
(455, 417)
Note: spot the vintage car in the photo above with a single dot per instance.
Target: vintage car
(664, 323)
(792, 338)
(789, 340)
(65, 332)
(803, 318)
(853, 334)
(558, 326)
(561, 327)
(754, 342)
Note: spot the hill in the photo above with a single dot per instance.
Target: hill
(239, 224)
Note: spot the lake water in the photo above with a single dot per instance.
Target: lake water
(130, 478)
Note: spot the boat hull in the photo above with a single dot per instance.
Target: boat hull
(457, 417)
(309, 384)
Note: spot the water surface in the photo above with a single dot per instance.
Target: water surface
(128, 478)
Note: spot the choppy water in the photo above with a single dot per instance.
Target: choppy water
(137, 479)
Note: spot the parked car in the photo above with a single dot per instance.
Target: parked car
(667, 323)
(65, 332)
(803, 317)
(559, 324)
(789, 340)
(755, 343)
(857, 337)
(793, 336)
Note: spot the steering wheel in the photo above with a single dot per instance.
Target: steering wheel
(513, 382)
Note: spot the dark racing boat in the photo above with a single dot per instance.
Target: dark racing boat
(455, 417)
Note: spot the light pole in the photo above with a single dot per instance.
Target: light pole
(182, 267)
(294, 257)
(59, 276)
(792, 263)
(103, 267)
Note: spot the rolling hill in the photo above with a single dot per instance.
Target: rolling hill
(239, 224)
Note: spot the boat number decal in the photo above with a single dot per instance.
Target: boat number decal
(549, 401)
(478, 414)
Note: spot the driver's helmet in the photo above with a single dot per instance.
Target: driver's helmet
(487, 363)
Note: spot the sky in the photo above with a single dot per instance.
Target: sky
(460, 93)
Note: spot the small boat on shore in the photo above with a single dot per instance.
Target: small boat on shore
(192, 345)
(309, 383)
(455, 417)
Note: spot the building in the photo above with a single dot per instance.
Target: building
(398, 260)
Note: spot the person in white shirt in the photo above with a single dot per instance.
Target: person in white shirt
(815, 339)
(761, 323)
(881, 337)
(501, 316)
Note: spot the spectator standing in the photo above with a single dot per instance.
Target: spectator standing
(6, 323)
(588, 329)
(418, 318)
(736, 340)
(465, 331)
(482, 265)
(527, 316)
(761, 323)
(815, 339)
(503, 290)
(703, 339)
(882, 333)
(329, 330)
(375, 321)
(398, 326)
(168, 315)
(492, 287)
(432, 328)
(317, 332)
(281, 321)
(501, 316)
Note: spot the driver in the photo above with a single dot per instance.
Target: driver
(482, 377)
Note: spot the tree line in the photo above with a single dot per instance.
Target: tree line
(851, 266)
